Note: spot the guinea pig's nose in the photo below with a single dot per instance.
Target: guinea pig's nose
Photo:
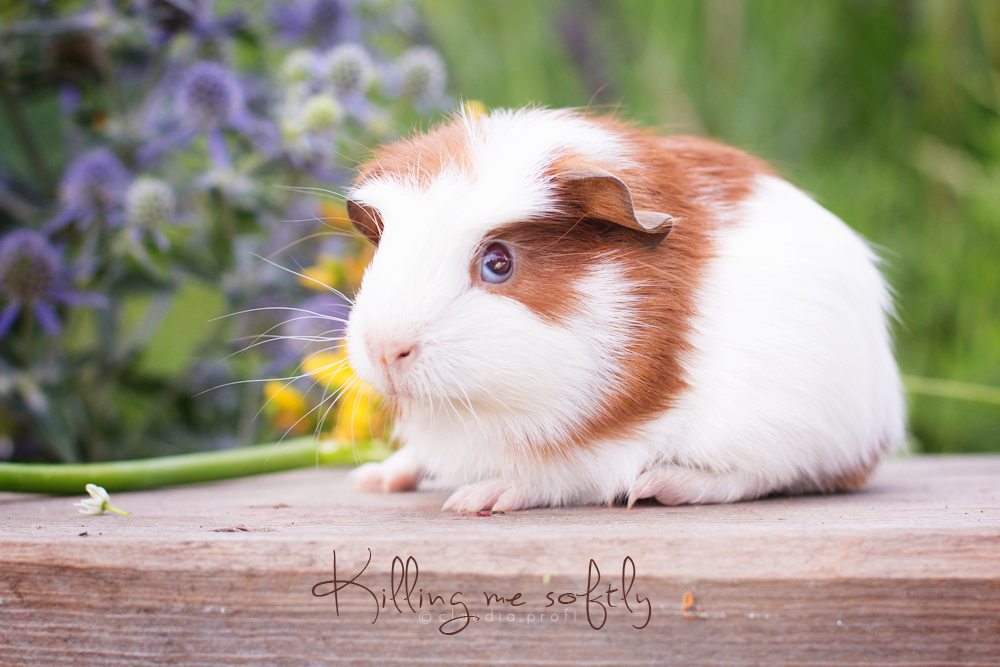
(393, 354)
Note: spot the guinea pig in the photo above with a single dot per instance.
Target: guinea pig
(563, 309)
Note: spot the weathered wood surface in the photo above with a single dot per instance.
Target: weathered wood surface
(906, 572)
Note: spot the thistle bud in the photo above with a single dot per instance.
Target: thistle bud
(320, 112)
(149, 202)
(423, 73)
(349, 68)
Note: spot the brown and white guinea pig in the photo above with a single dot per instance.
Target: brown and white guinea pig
(564, 309)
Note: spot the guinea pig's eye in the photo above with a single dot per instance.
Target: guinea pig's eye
(497, 263)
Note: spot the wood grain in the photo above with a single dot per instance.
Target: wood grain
(905, 572)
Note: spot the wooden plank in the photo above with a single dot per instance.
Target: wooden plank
(906, 572)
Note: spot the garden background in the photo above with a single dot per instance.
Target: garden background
(156, 159)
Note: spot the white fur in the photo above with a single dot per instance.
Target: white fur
(792, 379)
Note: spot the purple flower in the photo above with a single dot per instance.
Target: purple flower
(320, 319)
(167, 18)
(323, 22)
(208, 99)
(209, 95)
(69, 98)
(32, 279)
(95, 183)
(316, 325)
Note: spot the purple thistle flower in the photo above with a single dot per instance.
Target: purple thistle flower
(317, 325)
(167, 18)
(32, 278)
(94, 183)
(322, 22)
(208, 95)
(69, 98)
(208, 99)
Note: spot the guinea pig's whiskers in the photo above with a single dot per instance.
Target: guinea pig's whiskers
(263, 308)
(268, 401)
(334, 399)
(333, 232)
(320, 192)
(326, 398)
(261, 339)
(319, 338)
(305, 276)
(313, 316)
(330, 397)
(236, 382)
(267, 337)
(354, 414)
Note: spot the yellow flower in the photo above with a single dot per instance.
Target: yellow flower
(357, 413)
(284, 397)
(292, 423)
(330, 271)
(475, 108)
(355, 420)
(330, 369)
(327, 272)
(354, 267)
(334, 213)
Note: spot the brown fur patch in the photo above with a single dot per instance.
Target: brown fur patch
(421, 156)
(544, 263)
(851, 479)
(695, 180)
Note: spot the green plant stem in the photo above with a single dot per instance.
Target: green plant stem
(965, 391)
(71, 478)
(22, 132)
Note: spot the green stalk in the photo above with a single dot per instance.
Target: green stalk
(115, 476)
(965, 391)
(21, 130)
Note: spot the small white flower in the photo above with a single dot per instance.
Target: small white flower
(98, 503)
(424, 73)
(299, 66)
(149, 202)
(320, 112)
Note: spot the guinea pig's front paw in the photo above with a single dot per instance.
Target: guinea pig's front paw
(399, 472)
(493, 494)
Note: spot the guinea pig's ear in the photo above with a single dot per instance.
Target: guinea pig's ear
(366, 220)
(600, 194)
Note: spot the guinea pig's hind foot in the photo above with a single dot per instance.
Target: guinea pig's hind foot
(493, 494)
(676, 485)
(397, 473)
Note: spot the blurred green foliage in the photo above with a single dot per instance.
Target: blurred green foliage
(887, 111)
(160, 166)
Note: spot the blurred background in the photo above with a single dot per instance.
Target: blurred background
(162, 167)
